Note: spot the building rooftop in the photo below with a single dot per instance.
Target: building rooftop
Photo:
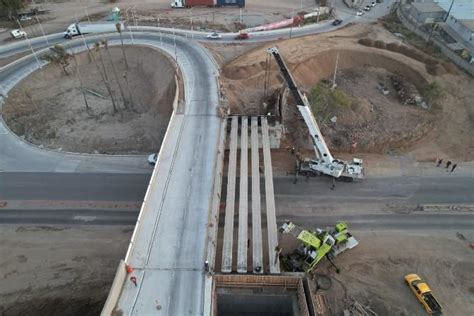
(425, 7)
(462, 9)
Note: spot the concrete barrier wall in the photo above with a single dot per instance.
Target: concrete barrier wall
(115, 290)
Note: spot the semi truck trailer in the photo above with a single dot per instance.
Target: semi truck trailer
(207, 3)
(86, 28)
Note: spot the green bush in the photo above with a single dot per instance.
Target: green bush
(326, 102)
(432, 92)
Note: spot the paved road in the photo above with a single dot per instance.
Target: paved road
(365, 222)
(383, 222)
(73, 186)
(132, 187)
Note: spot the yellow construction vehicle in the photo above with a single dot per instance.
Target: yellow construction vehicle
(316, 245)
(423, 294)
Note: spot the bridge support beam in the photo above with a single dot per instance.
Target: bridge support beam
(230, 200)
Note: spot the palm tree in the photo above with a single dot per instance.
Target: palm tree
(106, 78)
(106, 46)
(118, 26)
(81, 83)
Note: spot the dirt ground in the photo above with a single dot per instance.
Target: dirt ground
(58, 270)
(48, 107)
(373, 272)
(379, 124)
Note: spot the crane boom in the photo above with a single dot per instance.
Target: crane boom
(325, 162)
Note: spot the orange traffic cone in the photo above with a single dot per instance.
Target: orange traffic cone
(128, 268)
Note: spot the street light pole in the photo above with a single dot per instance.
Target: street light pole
(449, 11)
(129, 28)
(42, 31)
(29, 44)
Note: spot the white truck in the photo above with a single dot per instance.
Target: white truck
(18, 34)
(86, 28)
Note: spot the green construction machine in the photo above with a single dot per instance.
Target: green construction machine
(316, 245)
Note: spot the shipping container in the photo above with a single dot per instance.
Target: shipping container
(193, 3)
(226, 3)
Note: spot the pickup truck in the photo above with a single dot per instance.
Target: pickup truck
(423, 294)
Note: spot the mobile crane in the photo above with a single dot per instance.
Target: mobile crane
(316, 245)
(324, 163)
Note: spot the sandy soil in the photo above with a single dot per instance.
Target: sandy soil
(373, 272)
(48, 107)
(58, 271)
(444, 131)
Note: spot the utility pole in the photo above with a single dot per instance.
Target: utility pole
(191, 18)
(41, 28)
(292, 15)
(334, 85)
(449, 11)
(29, 44)
(240, 16)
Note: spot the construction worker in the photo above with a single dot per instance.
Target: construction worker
(448, 164)
(454, 167)
(440, 161)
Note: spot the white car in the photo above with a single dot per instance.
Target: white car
(214, 36)
(24, 18)
(152, 159)
(18, 34)
(360, 12)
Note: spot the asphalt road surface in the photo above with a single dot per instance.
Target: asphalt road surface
(131, 187)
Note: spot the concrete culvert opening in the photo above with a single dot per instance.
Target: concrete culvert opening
(259, 295)
(48, 108)
(256, 304)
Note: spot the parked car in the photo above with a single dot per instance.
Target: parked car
(152, 159)
(360, 12)
(242, 36)
(214, 36)
(336, 22)
(18, 34)
(423, 294)
(25, 18)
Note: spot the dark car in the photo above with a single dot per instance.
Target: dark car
(242, 36)
(336, 22)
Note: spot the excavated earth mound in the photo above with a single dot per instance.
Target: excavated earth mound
(375, 122)
(48, 107)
